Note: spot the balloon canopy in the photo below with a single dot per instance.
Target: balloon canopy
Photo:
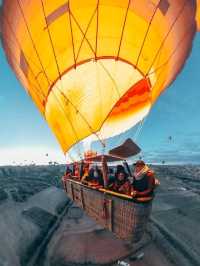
(95, 67)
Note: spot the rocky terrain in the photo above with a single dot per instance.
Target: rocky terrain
(40, 226)
(20, 182)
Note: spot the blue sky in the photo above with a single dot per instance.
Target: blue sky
(24, 134)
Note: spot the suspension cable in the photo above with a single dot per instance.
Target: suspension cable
(174, 51)
(89, 23)
(97, 30)
(18, 44)
(39, 59)
(145, 36)
(122, 33)
(32, 41)
(166, 36)
(59, 73)
(72, 35)
(112, 79)
(17, 65)
(75, 20)
(65, 97)
(93, 50)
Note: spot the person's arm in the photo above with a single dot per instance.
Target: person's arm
(125, 188)
(104, 171)
(84, 178)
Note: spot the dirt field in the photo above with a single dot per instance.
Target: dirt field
(39, 226)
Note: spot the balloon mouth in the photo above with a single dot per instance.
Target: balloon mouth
(106, 96)
(94, 60)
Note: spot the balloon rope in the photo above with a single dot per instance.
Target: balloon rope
(110, 76)
(39, 59)
(84, 38)
(59, 73)
(78, 25)
(20, 48)
(72, 35)
(32, 41)
(28, 65)
(36, 91)
(185, 35)
(145, 37)
(36, 53)
(51, 41)
(65, 97)
(70, 157)
(166, 36)
(122, 33)
(38, 56)
(139, 129)
(16, 61)
(97, 30)
(103, 144)
(84, 35)
(144, 119)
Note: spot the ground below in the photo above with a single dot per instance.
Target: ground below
(40, 226)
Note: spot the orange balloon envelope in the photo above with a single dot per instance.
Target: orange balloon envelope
(96, 67)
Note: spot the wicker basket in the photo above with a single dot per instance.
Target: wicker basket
(123, 216)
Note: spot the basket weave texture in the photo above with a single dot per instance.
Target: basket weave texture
(125, 218)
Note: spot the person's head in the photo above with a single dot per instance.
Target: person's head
(96, 167)
(121, 176)
(96, 173)
(110, 170)
(120, 168)
(91, 167)
(139, 165)
(68, 170)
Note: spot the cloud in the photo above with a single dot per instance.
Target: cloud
(27, 155)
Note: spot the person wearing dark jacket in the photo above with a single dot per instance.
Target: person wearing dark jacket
(94, 176)
(120, 169)
(143, 180)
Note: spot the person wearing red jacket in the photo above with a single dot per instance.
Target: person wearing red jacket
(144, 180)
(121, 184)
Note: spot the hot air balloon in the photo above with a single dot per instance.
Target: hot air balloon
(170, 139)
(95, 68)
